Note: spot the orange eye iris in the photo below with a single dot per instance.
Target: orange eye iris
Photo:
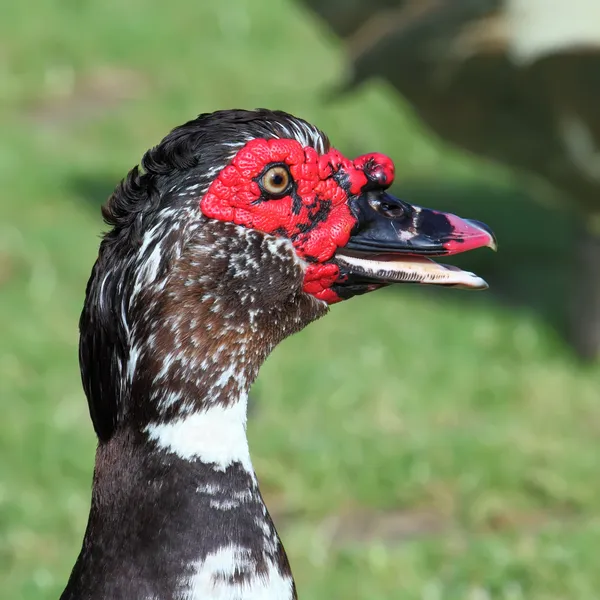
(276, 181)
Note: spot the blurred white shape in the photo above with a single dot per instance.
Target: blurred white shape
(581, 146)
(538, 29)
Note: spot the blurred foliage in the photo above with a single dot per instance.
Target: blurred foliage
(415, 443)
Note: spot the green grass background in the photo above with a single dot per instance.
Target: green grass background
(416, 444)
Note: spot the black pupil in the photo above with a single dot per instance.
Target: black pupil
(277, 179)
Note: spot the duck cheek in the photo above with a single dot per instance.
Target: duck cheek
(323, 240)
(328, 296)
(318, 280)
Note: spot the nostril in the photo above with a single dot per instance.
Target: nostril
(391, 211)
(388, 206)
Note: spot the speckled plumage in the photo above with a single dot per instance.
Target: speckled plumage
(181, 311)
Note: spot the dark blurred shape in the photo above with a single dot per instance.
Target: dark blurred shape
(517, 81)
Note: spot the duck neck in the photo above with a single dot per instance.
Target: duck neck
(177, 512)
(167, 365)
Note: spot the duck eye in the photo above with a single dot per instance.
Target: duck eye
(276, 181)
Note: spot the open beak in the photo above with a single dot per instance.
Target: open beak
(393, 242)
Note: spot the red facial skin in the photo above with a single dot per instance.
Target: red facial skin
(315, 216)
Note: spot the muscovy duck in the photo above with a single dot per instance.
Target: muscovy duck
(240, 229)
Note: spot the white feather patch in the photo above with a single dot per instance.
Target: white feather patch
(214, 435)
(210, 578)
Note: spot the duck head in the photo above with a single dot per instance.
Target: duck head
(350, 233)
(240, 229)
